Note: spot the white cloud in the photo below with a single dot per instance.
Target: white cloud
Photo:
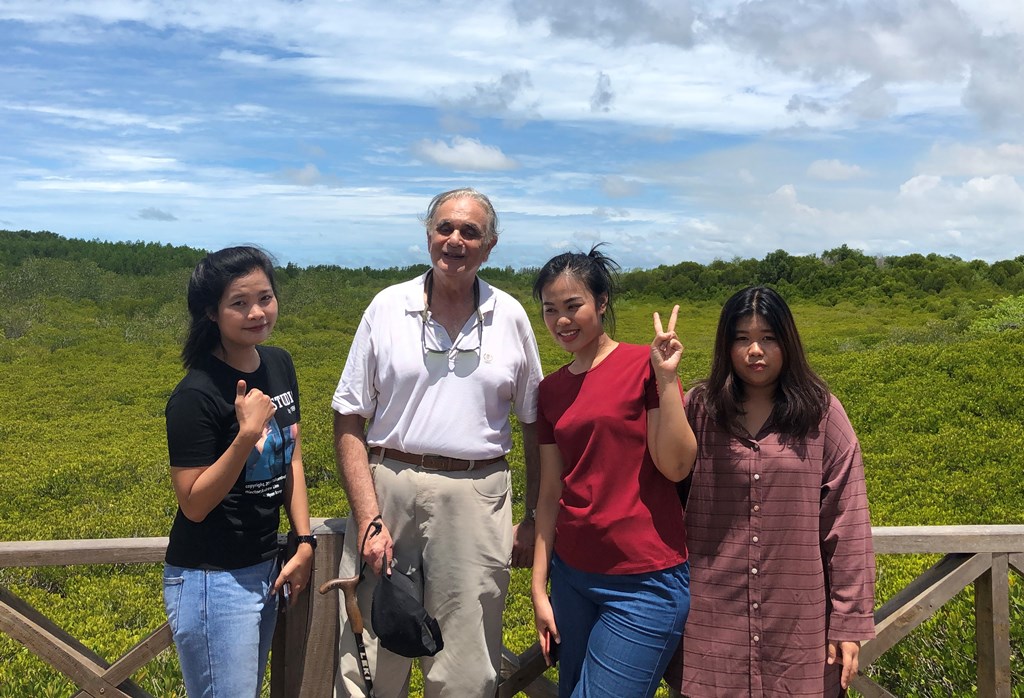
(618, 187)
(994, 90)
(958, 159)
(102, 118)
(307, 176)
(155, 214)
(834, 170)
(675, 129)
(463, 154)
(603, 97)
(871, 100)
(614, 21)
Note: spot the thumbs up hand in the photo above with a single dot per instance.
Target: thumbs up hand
(253, 409)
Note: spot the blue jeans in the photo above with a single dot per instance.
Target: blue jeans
(618, 631)
(222, 622)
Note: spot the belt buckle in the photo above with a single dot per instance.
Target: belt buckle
(434, 461)
(442, 463)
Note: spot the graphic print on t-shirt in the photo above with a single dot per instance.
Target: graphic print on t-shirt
(265, 467)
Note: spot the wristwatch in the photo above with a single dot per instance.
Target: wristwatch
(299, 540)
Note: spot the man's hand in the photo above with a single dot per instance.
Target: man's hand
(377, 546)
(522, 543)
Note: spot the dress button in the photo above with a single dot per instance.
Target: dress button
(753, 570)
(757, 476)
(756, 605)
(754, 539)
(757, 507)
(757, 638)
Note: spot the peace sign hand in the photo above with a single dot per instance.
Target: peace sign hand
(666, 349)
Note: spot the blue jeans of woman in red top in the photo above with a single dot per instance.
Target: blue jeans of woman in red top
(618, 631)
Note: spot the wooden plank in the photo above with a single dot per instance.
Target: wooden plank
(948, 539)
(54, 646)
(41, 553)
(1017, 562)
(942, 582)
(289, 642)
(541, 688)
(524, 672)
(992, 616)
(870, 689)
(922, 582)
(320, 659)
(887, 540)
(143, 652)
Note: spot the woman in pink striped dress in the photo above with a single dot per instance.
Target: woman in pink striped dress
(782, 567)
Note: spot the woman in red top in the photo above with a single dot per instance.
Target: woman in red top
(613, 439)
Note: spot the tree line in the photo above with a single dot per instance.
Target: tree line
(835, 275)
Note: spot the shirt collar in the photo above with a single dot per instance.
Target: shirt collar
(415, 303)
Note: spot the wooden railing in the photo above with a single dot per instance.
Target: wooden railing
(978, 555)
(304, 657)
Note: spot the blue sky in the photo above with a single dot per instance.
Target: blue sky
(672, 129)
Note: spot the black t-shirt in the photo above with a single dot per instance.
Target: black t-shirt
(201, 424)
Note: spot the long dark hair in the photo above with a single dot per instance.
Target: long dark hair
(595, 270)
(206, 287)
(801, 396)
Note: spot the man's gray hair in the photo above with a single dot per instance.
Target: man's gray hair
(490, 231)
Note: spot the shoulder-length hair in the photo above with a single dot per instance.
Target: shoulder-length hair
(801, 396)
(206, 287)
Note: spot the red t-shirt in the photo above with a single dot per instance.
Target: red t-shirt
(617, 514)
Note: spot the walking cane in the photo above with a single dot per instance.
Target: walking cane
(355, 621)
(355, 616)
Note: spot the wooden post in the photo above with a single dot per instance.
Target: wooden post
(305, 656)
(992, 618)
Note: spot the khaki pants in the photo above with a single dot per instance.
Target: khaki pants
(453, 531)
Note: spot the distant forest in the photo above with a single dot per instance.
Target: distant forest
(833, 276)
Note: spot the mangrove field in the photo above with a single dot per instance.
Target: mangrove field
(924, 351)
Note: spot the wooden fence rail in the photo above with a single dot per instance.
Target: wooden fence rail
(304, 657)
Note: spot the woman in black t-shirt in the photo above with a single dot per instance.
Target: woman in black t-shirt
(236, 457)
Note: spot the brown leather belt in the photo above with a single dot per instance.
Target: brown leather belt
(431, 461)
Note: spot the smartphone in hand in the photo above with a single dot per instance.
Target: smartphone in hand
(552, 649)
(285, 596)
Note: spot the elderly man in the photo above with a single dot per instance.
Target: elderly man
(436, 367)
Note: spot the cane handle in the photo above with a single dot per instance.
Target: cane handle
(348, 590)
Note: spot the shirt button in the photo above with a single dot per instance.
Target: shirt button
(757, 638)
(757, 476)
(757, 507)
(754, 539)
(756, 605)
(753, 570)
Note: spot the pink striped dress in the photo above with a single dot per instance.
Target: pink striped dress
(780, 559)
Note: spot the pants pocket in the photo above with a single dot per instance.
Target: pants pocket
(173, 586)
(493, 485)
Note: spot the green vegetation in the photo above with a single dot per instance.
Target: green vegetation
(921, 350)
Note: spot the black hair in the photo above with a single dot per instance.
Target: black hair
(595, 270)
(801, 396)
(206, 287)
